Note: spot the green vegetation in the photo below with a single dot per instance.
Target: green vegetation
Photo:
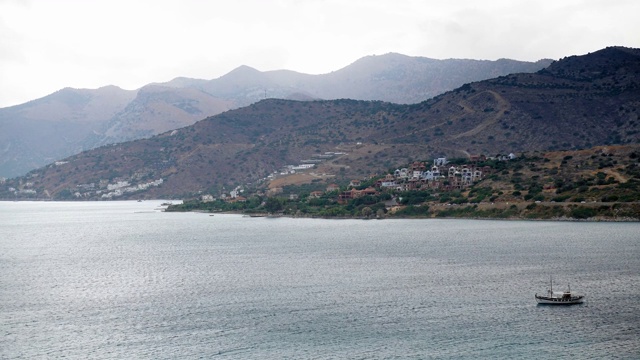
(561, 185)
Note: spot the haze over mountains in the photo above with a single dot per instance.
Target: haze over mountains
(575, 103)
(72, 120)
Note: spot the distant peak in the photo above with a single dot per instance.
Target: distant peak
(395, 54)
(182, 82)
(242, 73)
(109, 87)
(387, 56)
(243, 69)
(89, 90)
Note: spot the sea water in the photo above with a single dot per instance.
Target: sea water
(123, 280)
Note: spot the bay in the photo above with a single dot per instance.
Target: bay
(116, 280)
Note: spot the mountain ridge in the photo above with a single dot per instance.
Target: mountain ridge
(112, 119)
(514, 113)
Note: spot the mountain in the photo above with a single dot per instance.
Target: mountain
(55, 126)
(157, 109)
(72, 120)
(405, 80)
(577, 102)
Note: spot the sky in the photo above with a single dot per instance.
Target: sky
(47, 45)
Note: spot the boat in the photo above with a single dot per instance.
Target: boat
(559, 297)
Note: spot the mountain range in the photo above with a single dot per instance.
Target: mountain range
(72, 120)
(575, 103)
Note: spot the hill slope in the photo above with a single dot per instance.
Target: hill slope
(53, 127)
(562, 107)
(72, 120)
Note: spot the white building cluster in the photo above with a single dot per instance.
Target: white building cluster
(122, 187)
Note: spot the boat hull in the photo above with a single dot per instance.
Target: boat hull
(544, 300)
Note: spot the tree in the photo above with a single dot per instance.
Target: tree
(366, 211)
(273, 204)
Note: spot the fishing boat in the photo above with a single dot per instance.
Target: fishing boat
(559, 297)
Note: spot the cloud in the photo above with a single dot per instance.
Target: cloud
(47, 45)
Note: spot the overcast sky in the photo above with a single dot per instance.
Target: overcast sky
(46, 45)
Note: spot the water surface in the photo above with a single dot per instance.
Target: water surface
(114, 280)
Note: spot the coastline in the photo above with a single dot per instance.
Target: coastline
(521, 212)
(514, 218)
(516, 211)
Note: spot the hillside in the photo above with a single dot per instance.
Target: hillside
(578, 102)
(601, 183)
(55, 126)
(72, 120)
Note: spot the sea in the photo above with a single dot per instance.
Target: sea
(124, 280)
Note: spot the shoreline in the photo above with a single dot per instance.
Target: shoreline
(431, 215)
(558, 219)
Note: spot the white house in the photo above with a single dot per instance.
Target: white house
(440, 161)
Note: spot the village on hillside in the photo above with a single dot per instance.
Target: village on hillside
(441, 175)
(599, 184)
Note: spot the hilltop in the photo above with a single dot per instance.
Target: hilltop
(576, 103)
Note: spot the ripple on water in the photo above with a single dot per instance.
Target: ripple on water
(98, 280)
